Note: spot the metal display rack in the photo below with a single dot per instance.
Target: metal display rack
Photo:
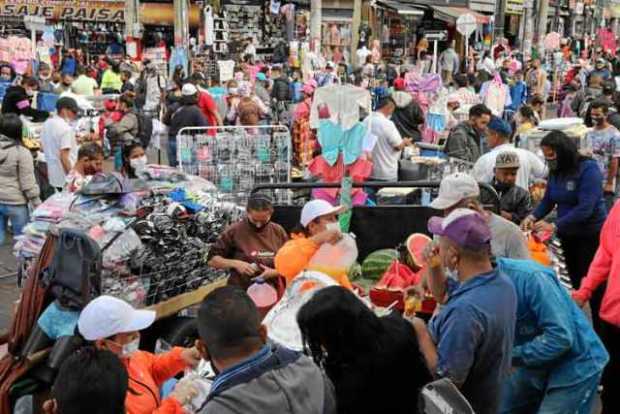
(237, 158)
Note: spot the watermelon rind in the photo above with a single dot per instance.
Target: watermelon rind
(414, 263)
(377, 262)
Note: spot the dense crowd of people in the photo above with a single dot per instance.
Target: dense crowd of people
(505, 332)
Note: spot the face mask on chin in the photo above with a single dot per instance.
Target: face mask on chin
(257, 227)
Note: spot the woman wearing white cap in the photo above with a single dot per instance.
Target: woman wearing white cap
(318, 225)
(114, 325)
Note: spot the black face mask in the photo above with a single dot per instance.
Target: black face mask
(502, 187)
(598, 120)
(552, 164)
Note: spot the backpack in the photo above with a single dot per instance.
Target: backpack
(145, 128)
(74, 275)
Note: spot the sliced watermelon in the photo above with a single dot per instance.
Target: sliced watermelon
(416, 243)
(398, 276)
(375, 265)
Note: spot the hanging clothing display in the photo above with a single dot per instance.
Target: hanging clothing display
(496, 96)
(209, 26)
(343, 103)
(335, 140)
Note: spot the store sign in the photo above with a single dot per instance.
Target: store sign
(104, 11)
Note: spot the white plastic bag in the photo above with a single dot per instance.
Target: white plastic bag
(335, 258)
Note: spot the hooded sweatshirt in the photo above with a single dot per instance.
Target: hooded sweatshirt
(274, 380)
(18, 185)
(407, 116)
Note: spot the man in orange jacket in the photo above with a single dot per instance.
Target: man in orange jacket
(113, 324)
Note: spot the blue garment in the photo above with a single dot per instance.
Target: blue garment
(295, 91)
(518, 95)
(180, 196)
(17, 214)
(552, 333)
(172, 151)
(69, 66)
(579, 199)
(56, 321)
(526, 392)
(334, 139)
(474, 334)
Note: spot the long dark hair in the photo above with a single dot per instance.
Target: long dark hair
(11, 126)
(126, 152)
(566, 151)
(361, 352)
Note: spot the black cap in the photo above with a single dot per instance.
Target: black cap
(67, 103)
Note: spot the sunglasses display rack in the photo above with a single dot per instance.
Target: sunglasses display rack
(237, 159)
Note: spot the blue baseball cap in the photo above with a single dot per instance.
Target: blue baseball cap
(500, 126)
(463, 226)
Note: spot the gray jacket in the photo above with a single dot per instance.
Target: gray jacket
(286, 382)
(463, 143)
(124, 130)
(18, 185)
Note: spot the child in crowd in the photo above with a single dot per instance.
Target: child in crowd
(515, 203)
(89, 163)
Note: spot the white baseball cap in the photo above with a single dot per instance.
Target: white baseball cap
(189, 90)
(317, 208)
(453, 189)
(107, 316)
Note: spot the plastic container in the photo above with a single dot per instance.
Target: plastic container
(335, 258)
(263, 294)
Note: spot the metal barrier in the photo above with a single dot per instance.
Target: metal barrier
(236, 158)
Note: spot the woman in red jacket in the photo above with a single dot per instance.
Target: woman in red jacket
(113, 324)
(605, 268)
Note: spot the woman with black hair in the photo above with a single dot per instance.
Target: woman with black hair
(575, 187)
(18, 186)
(374, 363)
(134, 159)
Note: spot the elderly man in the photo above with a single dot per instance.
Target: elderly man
(470, 340)
(460, 190)
(498, 138)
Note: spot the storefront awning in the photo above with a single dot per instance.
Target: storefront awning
(401, 8)
(450, 14)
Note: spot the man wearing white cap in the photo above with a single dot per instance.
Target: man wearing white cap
(114, 325)
(318, 225)
(460, 190)
(188, 115)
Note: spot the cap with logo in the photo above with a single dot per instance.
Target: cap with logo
(507, 159)
(463, 226)
(453, 189)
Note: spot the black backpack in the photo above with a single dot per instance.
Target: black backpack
(74, 276)
(145, 128)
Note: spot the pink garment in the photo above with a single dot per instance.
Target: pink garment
(359, 171)
(332, 196)
(606, 268)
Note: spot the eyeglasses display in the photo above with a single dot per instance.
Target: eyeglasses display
(236, 159)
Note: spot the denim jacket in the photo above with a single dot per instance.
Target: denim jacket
(551, 331)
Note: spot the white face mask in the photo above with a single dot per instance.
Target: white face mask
(130, 348)
(29, 92)
(452, 274)
(138, 164)
(333, 226)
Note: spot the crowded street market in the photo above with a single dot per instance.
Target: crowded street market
(309, 206)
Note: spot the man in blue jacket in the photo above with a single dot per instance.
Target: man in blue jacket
(557, 358)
